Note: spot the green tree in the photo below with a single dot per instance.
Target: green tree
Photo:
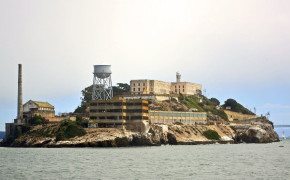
(121, 88)
(88, 91)
(215, 101)
(87, 94)
(237, 107)
(37, 119)
(69, 129)
(232, 103)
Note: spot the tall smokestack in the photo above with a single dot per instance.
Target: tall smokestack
(19, 105)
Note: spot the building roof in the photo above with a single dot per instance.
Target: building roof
(43, 104)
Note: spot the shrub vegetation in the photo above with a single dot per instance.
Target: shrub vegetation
(237, 107)
(211, 134)
(37, 119)
(69, 129)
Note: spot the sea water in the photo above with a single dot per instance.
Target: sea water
(215, 161)
(285, 129)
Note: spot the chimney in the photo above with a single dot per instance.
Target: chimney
(19, 105)
(178, 77)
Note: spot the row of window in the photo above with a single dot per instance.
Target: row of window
(179, 90)
(107, 104)
(179, 86)
(138, 89)
(174, 114)
(119, 117)
(46, 109)
(139, 84)
(119, 104)
(119, 110)
(178, 120)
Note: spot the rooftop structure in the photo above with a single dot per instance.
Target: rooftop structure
(102, 84)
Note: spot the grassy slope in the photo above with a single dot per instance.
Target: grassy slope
(205, 106)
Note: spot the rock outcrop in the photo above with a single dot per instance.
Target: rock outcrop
(254, 131)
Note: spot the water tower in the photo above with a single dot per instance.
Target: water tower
(102, 87)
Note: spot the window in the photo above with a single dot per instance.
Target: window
(138, 89)
(134, 84)
(138, 84)
(183, 90)
(183, 86)
(133, 89)
(143, 84)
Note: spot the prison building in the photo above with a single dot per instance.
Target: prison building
(171, 117)
(129, 114)
(147, 87)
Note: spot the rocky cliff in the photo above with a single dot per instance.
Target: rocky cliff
(256, 130)
(250, 132)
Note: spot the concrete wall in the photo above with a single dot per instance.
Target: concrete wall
(160, 87)
(131, 114)
(170, 117)
(139, 87)
(150, 97)
(27, 106)
(238, 116)
(45, 113)
(149, 87)
(30, 109)
(185, 88)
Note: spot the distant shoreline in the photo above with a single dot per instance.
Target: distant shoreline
(281, 125)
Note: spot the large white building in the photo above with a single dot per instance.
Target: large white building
(145, 86)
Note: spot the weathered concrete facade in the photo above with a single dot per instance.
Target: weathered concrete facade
(32, 108)
(185, 88)
(145, 86)
(149, 87)
(171, 117)
(151, 97)
(127, 114)
(239, 116)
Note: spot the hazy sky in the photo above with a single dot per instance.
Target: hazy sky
(235, 49)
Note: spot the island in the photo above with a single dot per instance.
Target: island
(144, 113)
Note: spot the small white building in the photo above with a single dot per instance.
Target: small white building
(40, 108)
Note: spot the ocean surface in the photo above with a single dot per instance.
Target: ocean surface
(216, 161)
